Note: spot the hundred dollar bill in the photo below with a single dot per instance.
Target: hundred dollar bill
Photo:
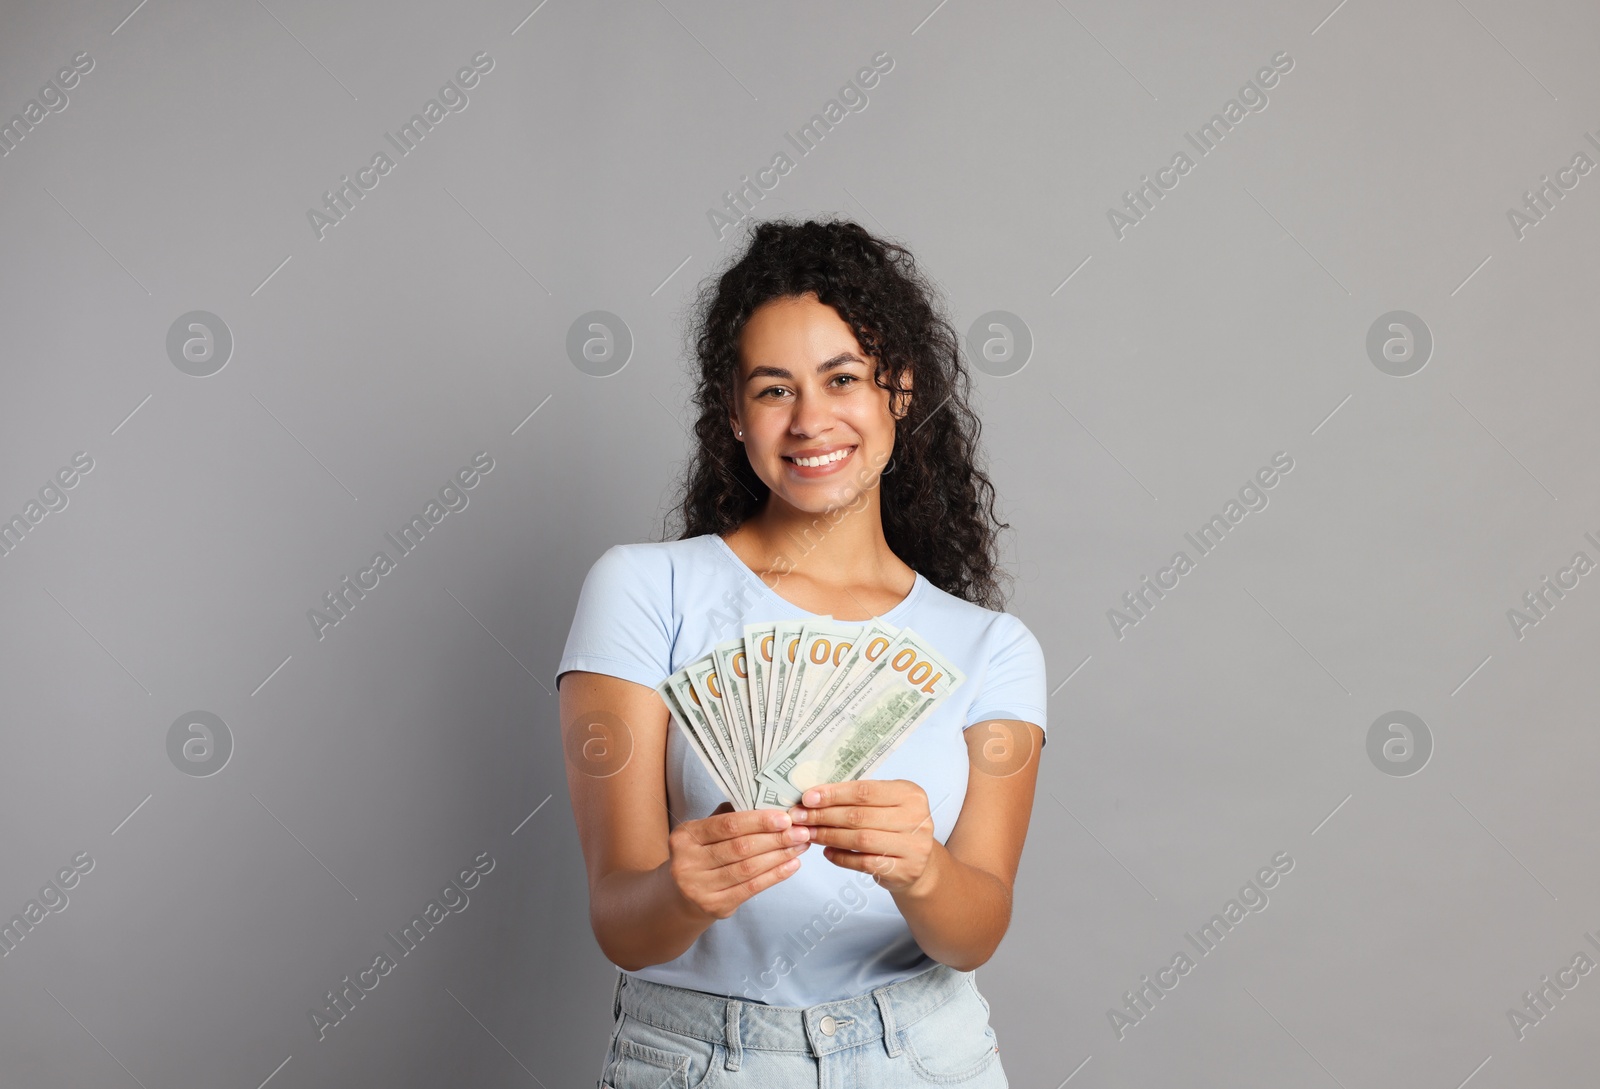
(707, 728)
(785, 643)
(871, 639)
(733, 677)
(758, 640)
(823, 645)
(704, 683)
(692, 723)
(866, 724)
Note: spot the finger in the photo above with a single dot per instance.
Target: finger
(729, 851)
(747, 869)
(744, 890)
(889, 818)
(858, 792)
(867, 840)
(877, 865)
(742, 822)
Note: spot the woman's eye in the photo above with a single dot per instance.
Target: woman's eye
(773, 393)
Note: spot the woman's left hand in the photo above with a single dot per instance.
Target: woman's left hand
(878, 826)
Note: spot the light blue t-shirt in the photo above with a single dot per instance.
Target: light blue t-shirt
(825, 932)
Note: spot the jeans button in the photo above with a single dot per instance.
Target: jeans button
(827, 1024)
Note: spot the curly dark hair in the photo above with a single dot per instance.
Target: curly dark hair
(937, 504)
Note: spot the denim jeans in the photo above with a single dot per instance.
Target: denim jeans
(931, 1029)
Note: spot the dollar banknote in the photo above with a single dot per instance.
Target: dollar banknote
(719, 746)
(871, 640)
(823, 645)
(696, 730)
(758, 640)
(732, 677)
(792, 703)
(785, 644)
(864, 724)
(705, 684)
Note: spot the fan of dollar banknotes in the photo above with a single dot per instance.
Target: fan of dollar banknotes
(797, 703)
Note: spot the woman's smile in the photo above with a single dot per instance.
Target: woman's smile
(819, 461)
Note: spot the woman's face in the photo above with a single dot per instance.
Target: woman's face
(805, 390)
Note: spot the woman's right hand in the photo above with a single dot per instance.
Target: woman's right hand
(720, 861)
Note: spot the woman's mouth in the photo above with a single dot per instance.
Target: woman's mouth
(821, 462)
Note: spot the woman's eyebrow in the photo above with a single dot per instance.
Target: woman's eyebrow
(839, 360)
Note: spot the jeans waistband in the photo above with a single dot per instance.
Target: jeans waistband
(821, 1029)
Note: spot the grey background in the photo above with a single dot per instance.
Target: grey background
(1230, 724)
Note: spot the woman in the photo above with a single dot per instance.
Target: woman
(835, 475)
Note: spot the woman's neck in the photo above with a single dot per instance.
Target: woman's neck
(844, 548)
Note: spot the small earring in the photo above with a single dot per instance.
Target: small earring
(739, 434)
(889, 470)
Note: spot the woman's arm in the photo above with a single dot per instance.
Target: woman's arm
(651, 893)
(955, 896)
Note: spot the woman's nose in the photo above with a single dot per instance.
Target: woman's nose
(812, 415)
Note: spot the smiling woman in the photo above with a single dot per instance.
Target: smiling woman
(835, 478)
(846, 415)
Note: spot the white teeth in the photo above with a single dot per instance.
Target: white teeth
(825, 459)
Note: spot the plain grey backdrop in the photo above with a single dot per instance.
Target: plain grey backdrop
(1184, 240)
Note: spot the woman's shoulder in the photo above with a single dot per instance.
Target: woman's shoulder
(970, 616)
(999, 651)
(653, 562)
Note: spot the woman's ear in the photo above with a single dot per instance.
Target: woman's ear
(900, 397)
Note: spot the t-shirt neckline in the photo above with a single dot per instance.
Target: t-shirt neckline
(904, 604)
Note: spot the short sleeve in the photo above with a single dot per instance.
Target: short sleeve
(623, 623)
(1014, 683)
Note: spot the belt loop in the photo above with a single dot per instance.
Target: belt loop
(735, 1045)
(891, 1035)
(616, 996)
